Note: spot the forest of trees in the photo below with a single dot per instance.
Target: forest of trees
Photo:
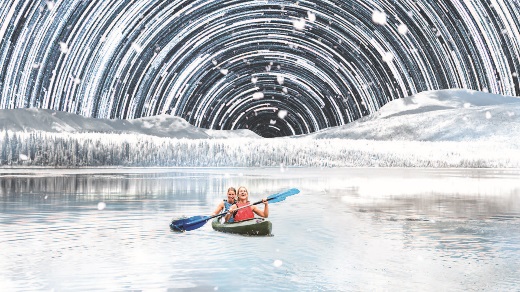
(91, 150)
(20, 149)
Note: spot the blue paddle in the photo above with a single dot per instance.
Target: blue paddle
(195, 222)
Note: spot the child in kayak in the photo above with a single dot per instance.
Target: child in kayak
(226, 204)
(247, 212)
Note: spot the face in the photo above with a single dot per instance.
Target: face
(231, 195)
(242, 193)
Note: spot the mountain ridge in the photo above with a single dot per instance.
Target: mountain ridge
(32, 119)
(440, 115)
(443, 115)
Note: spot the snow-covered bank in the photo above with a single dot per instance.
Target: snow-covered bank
(446, 128)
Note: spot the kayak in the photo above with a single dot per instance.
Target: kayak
(255, 226)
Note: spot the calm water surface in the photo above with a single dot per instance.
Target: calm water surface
(348, 230)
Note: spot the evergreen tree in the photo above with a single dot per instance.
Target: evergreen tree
(4, 148)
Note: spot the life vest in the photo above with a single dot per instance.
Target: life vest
(244, 214)
(227, 205)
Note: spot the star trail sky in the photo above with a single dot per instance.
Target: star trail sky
(276, 67)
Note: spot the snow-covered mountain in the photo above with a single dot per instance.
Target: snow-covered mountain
(443, 115)
(446, 128)
(29, 120)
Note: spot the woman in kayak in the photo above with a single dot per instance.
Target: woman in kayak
(247, 212)
(226, 204)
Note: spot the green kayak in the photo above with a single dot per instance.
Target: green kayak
(255, 226)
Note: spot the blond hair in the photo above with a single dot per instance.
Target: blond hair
(247, 192)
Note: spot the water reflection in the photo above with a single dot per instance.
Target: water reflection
(348, 229)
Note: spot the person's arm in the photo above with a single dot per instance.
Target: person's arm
(220, 207)
(230, 212)
(263, 213)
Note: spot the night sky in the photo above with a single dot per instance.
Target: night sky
(275, 67)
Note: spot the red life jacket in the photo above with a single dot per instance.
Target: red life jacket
(244, 214)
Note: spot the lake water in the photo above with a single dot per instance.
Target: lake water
(354, 229)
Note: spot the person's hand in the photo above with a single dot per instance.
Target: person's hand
(264, 200)
(232, 209)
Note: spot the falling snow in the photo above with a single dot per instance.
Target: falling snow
(379, 17)
(258, 95)
(282, 114)
(299, 24)
(402, 29)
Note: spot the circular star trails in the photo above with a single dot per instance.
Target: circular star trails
(278, 68)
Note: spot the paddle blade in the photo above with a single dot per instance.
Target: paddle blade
(281, 196)
(188, 224)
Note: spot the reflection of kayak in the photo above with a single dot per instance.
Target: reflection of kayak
(255, 226)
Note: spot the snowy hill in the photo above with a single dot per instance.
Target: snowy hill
(444, 115)
(29, 120)
(447, 128)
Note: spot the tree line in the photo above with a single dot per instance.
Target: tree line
(74, 150)
(92, 150)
